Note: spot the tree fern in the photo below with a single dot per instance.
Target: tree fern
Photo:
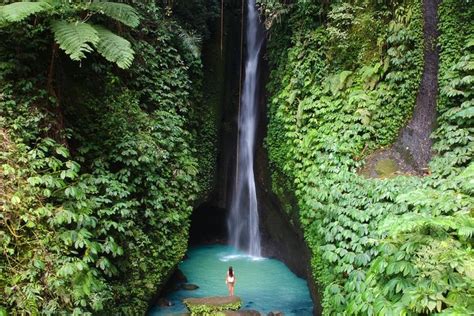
(18, 11)
(118, 11)
(114, 48)
(75, 38)
(191, 41)
(79, 38)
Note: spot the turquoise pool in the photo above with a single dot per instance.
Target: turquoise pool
(263, 284)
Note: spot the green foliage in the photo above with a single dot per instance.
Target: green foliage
(98, 192)
(121, 12)
(425, 261)
(192, 42)
(78, 38)
(148, 175)
(454, 137)
(195, 15)
(75, 38)
(164, 72)
(114, 48)
(73, 34)
(341, 88)
(425, 256)
(48, 223)
(18, 11)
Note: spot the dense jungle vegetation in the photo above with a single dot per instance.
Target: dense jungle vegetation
(108, 142)
(344, 79)
(103, 151)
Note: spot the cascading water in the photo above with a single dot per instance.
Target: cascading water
(243, 223)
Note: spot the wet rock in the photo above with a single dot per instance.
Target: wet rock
(180, 277)
(189, 287)
(275, 313)
(174, 282)
(386, 168)
(385, 163)
(164, 302)
(243, 312)
(414, 140)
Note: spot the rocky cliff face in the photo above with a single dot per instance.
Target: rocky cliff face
(226, 61)
(411, 152)
(414, 142)
(282, 236)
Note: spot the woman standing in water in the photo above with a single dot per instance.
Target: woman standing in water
(230, 281)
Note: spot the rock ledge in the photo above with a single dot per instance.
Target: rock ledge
(212, 305)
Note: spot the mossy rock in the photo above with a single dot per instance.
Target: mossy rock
(386, 168)
(215, 305)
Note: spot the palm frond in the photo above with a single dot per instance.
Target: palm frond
(18, 11)
(118, 11)
(76, 38)
(114, 48)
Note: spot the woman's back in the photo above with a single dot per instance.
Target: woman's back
(230, 281)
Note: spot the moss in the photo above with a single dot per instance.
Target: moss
(212, 305)
(386, 168)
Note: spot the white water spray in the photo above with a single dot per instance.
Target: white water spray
(244, 232)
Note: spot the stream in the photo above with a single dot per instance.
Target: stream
(263, 284)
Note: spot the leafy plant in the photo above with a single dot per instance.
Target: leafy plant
(340, 90)
(96, 223)
(425, 261)
(75, 35)
(19, 11)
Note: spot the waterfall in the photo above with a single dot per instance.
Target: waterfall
(243, 223)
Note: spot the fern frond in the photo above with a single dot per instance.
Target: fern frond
(121, 12)
(114, 48)
(75, 38)
(191, 41)
(18, 11)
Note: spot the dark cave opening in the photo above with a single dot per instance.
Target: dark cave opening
(208, 225)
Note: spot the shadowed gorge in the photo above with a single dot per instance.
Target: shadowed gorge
(323, 149)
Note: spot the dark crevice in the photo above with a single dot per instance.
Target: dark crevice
(208, 225)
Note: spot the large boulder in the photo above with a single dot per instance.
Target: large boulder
(189, 287)
(212, 305)
(164, 302)
(179, 276)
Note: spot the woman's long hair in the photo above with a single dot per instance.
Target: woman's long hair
(231, 272)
